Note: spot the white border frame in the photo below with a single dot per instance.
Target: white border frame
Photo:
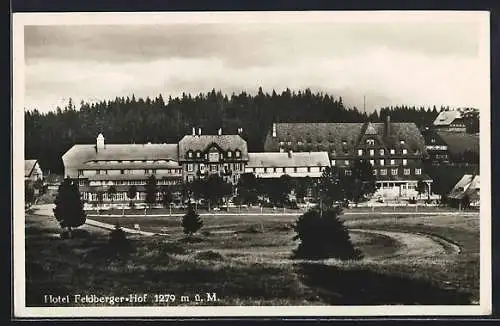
(22, 19)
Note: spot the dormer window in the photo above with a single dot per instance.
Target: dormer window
(344, 142)
(229, 154)
(381, 151)
(393, 151)
(405, 151)
(190, 154)
(198, 154)
(402, 141)
(370, 142)
(360, 152)
(238, 153)
(433, 140)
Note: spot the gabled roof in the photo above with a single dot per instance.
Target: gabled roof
(430, 135)
(29, 166)
(78, 155)
(370, 129)
(203, 142)
(469, 185)
(303, 159)
(301, 137)
(445, 118)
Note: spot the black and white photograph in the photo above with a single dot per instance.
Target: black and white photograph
(193, 164)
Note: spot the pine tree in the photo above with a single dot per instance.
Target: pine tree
(324, 236)
(69, 206)
(191, 222)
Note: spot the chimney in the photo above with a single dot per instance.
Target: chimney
(387, 125)
(220, 131)
(194, 131)
(274, 130)
(199, 131)
(100, 145)
(290, 152)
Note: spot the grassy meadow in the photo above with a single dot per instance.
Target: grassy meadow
(246, 260)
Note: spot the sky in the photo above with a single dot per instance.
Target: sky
(435, 62)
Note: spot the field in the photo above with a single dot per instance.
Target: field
(245, 260)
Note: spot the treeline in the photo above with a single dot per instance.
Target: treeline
(139, 120)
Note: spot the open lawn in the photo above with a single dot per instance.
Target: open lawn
(245, 260)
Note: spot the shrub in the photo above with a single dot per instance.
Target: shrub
(209, 255)
(118, 244)
(323, 235)
(191, 222)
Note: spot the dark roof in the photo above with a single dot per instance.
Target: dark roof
(297, 159)
(458, 142)
(203, 142)
(330, 136)
(429, 135)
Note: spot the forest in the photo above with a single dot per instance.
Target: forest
(140, 120)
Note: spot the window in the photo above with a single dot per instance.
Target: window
(153, 171)
(238, 153)
(383, 172)
(394, 171)
(360, 152)
(98, 172)
(370, 142)
(333, 162)
(198, 154)
(372, 162)
(308, 169)
(433, 140)
(375, 172)
(274, 169)
(381, 151)
(393, 151)
(265, 170)
(372, 152)
(382, 162)
(418, 171)
(80, 173)
(229, 154)
(213, 167)
(393, 162)
(253, 169)
(402, 141)
(190, 167)
(213, 157)
(190, 178)
(122, 171)
(344, 142)
(190, 154)
(347, 172)
(346, 162)
(405, 151)
(405, 162)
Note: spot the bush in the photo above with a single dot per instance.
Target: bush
(324, 236)
(119, 245)
(191, 222)
(209, 255)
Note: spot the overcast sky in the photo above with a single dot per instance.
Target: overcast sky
(436, 63)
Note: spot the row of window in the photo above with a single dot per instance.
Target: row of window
(282, 170)
(125, 182)
(133, 161)
(233, 179)
(214, 156)
(392, 171)
(118, 196)
(129, 171)
(308, 140)
(190, 167)
(381, 152)
(381, 162)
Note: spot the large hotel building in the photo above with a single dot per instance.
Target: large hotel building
(395, 151)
